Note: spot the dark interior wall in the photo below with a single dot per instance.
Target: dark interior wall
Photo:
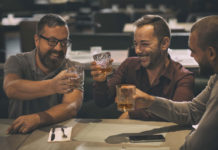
(17, 5)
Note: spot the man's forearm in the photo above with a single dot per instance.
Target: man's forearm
(27, 90)
(62, 111)
(57, 113)
(177, 112)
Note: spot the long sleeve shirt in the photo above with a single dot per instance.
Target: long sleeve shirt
(175, 83)
(202, 110)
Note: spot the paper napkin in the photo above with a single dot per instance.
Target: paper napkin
(57, 134)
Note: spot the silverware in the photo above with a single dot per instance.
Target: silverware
(64, 135)
(53, 134)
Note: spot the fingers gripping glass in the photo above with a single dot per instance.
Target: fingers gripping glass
(53, 42)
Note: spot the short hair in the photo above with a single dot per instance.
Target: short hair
(207, 32)
(161, 28)
(51, 20)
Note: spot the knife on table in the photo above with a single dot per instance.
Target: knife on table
(53, 134)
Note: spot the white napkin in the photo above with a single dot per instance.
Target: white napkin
(195, 126)
(59, 134)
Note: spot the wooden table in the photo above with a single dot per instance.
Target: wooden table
(96, 135)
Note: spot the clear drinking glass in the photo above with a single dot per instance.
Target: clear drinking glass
(125, 93)
(77, 71)
(103, 59)
(95, 50)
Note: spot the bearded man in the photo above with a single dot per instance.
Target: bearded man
(37, 83)
(152, 71)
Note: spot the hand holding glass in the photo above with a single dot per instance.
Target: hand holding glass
(77, 71)
(125, 93)
(103, 59)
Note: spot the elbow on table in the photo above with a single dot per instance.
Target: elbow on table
(72, 113)
(73, 108)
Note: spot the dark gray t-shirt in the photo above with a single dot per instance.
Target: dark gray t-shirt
(24, 66)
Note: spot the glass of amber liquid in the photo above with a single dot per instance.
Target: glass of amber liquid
(125, 93)
(76, 70)
(103, 59)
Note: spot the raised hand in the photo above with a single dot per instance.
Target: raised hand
(142, 99)
(99, 75)
(63, 83)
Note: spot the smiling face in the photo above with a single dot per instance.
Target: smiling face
(51, 57)
(147, 46)
(200, 55)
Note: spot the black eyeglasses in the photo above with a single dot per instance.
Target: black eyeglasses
(53, 42)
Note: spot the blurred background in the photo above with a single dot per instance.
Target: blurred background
(93, 16)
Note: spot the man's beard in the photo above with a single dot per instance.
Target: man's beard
(206, 70)
(49, 63)
(155, 59)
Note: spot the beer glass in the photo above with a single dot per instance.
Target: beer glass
(125, 93)
(103, 59)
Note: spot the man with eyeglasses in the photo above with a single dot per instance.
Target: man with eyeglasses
(152, 71)
(38, 86)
